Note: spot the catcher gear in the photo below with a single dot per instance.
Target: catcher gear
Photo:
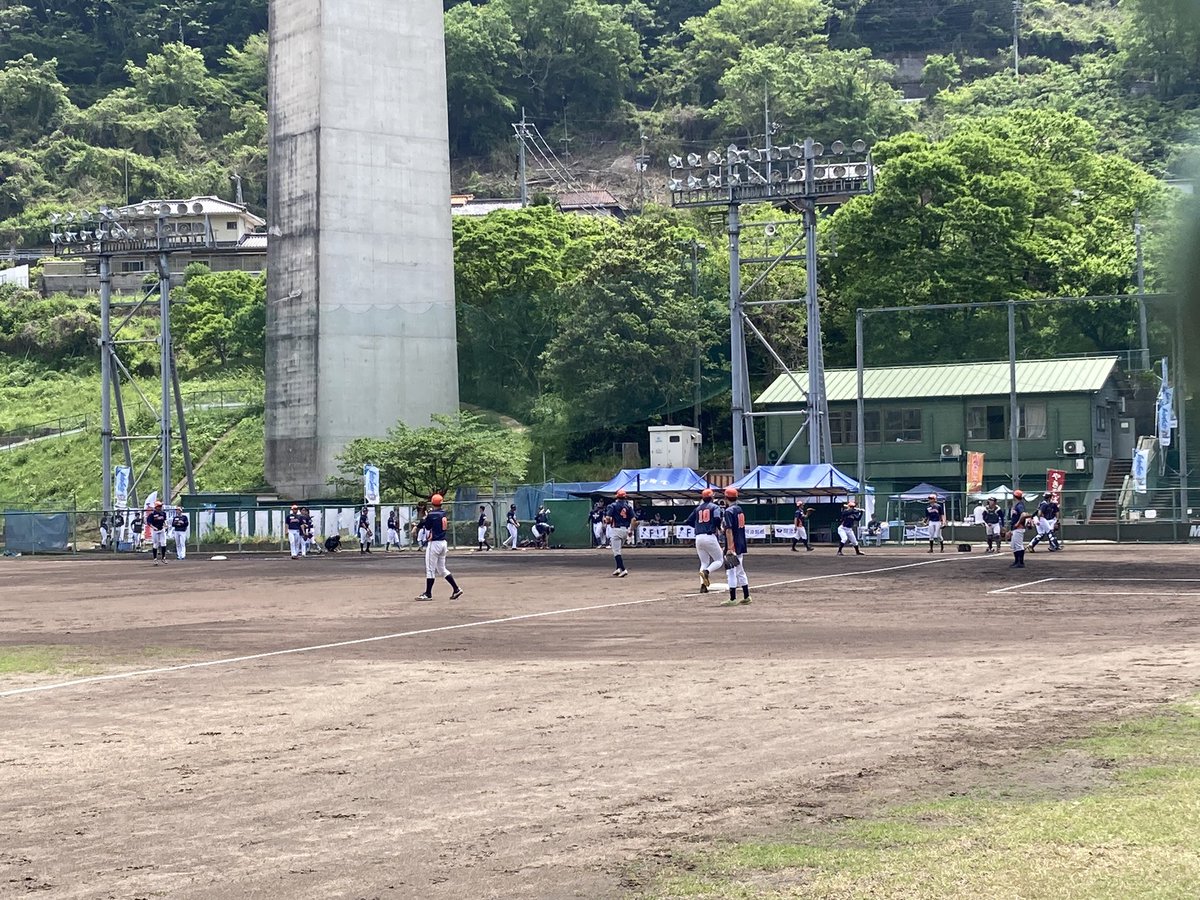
(732, 561)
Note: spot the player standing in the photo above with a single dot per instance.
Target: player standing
(513, 525)
(1045, 522)
(295, 529)
(156, 521)
(436, 524)
(992, 516)
(706, 520)
(618, 516)
(179, 531)
(482, 524)
(734, 522)
(104, 531)
(393, 533)
(848, 521)
(1018, 520)
(935, 515)
(364, 531)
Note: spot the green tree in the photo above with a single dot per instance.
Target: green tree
(481, 47)
(245, 69)
(455, 451)
(625, 352)
(1162, 42)
(33, 102)
(941, 71)
(220, 317)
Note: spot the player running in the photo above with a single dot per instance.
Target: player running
(706, 520)
(436, 523)
(734, 522)
(513, 524)
(393, 531)
(618, 516)
(801, 522)
(481, 525)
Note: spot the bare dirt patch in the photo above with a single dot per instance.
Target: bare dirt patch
(552, 755)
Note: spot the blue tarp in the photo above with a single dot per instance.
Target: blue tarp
(797, 481)
(664, 484)
(529, 497)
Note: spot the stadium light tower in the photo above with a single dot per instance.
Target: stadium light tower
(802, 177)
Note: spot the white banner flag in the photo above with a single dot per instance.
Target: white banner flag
(1141, 465)
(371, 485)
(122, 477)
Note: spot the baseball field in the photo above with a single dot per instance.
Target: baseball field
(262, 727)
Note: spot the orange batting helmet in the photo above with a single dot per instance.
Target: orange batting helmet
(731, 493)
(706, 493)
(621, 492)
(436, 499)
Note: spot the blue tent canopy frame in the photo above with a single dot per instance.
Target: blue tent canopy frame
(823, 480)
(651, 484)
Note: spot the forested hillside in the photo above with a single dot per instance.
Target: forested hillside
(991, 185)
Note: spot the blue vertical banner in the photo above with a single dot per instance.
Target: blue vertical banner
(122, 478)
(1164, 410)
(371, 485)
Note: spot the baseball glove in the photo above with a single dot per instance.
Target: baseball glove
(731, 560)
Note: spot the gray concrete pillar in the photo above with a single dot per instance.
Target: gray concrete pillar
(360, 272)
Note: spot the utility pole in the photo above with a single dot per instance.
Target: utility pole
(164, 311)
(1016, 8)
(1013, 408)
(642, 163)
(238, 181)
(522, 177)
(106, 373)
(1143, 339)
(696, 247)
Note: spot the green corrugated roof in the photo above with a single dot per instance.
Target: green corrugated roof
(981, 379)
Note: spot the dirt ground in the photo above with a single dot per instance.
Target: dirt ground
(308, 731)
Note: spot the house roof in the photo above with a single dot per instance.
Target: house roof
(203, 206)
(254, 241)
(981, 379)
(587, 200)
(473, 207)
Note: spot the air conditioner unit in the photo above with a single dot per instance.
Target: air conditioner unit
(951, 451)
(1074, 448)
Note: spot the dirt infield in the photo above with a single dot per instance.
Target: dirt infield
(307, 731)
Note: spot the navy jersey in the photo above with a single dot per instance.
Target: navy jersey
(992, 516)
(619, 513)
(934, 512)
(850, 517)
(392, 521)
(364, 521)
(1018, 513)
(1052, 510)
(482, 523)
(734, 521)
(705, 518)
(306, 524)
(542, 518)
(180, 522)
(595, 516)
(294, 521)
(157, 519)
(118, 520)
(1044, 509)
(512, 517)
(436, 523)
(801, 519)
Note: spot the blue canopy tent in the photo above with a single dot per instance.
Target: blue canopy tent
(920, 494)
(651, 484)
(797, 481)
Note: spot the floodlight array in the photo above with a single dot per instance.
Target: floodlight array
(131, 229)
(799, 171)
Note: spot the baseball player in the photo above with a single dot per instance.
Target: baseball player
(618, 516)
(156, 521)
(104, 531)
(848, 521)
(1018, 521)
(179, 532)
(542, 528)
(436, 523)
(935, 516)
(734, 524)
(420, 532)
(118, 526)
(482, 524)
(1045, 523)
(706, 520)
(393, 531)
(992, 516)
(294, 521)
(513, 524)
(364, 531)
(596, 520)
(801, 523)
(306, 530)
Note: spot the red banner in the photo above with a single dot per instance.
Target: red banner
(1056, 480)
(974, 472)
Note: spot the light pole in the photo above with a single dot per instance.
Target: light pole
(796, 176)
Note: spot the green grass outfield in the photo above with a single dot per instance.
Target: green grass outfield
(1137, 835)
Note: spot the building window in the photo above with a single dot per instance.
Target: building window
(132, 265)
(902, 426)
(843, 427)
(987, 423)
(1031, 421)
(231, 225)
(1102, 418)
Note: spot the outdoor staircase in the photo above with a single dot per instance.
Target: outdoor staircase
(1105, 507)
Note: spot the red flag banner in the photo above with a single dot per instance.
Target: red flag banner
(974, 472)
(1056, 480)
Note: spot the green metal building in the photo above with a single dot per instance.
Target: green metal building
(920, 422)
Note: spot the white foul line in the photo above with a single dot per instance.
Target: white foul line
(1014, 587)
(234, 660)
